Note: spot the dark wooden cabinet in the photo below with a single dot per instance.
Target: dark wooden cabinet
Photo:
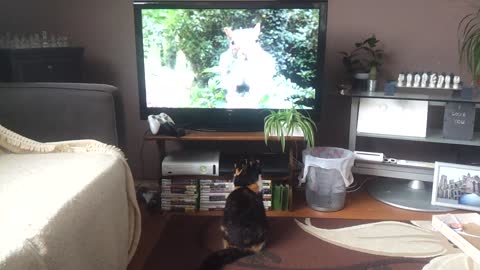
(41, 65)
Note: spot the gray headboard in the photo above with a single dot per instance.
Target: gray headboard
(60, 111)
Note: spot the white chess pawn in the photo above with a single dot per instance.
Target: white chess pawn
(416, 80)
(409, 80)
(433, 81)
(456, 82)
(401, 77)
(441, 78)
(447, 82)
(423, 84)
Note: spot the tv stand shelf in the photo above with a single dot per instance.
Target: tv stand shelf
(193, 135)
(390, 189)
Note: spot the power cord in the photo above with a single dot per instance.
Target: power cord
(357, 187)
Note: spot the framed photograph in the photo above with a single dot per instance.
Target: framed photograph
(456, 186)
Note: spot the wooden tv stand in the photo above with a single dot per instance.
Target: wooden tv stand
(192, 135)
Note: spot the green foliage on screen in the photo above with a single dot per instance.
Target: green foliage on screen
(289, 35)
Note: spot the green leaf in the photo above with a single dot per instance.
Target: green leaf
(469, 42)
(372, 41)
(284, 122)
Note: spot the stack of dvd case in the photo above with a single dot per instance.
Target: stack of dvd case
(214, 193)
(179, 195)
(267, 194)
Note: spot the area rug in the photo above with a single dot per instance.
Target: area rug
(312, 244)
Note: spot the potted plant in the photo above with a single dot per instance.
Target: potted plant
(364, 60)
(289, 122)
(469, 44)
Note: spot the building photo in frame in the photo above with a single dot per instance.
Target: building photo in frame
(456, 186)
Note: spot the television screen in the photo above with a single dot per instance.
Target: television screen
(229, 55)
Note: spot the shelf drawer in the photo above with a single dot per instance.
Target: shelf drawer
(51, 70)
(41, 65)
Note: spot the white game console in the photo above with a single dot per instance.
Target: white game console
(191, 163)
(369, 156)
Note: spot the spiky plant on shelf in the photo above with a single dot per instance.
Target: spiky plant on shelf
(469, 44)
(289, 122)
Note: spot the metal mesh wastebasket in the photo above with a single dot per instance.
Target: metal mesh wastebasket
(327, 173)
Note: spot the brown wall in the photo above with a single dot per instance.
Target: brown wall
(106, 29)
(25, 16)
(417, 35)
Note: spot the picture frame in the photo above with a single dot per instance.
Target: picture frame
(456, 186)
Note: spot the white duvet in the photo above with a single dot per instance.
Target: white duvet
(65, 205)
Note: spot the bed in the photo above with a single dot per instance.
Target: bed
(67, 204)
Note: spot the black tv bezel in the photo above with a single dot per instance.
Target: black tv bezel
(225, 119)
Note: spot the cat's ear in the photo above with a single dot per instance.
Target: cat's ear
(229, 32)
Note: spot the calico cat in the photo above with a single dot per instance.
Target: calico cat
(245, 223)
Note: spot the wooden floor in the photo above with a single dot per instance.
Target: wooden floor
(358, 205)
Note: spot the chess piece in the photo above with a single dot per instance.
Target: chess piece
(8, 41)
(433, 80)
(45, 39)
(447, 82)
(456, 82)
(409, 80)
(401, 77)
(416, 80)
(441, 78)
(16, 42)
(423, 84)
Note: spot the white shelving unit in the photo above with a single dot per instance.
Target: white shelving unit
(405, 186)
(433, 136)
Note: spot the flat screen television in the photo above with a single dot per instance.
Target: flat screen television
(223, 65)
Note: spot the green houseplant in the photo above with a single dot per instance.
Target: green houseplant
(366, 57)
(286, 122)
(469, 43)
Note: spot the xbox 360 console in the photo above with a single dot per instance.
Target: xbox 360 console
(191, 163)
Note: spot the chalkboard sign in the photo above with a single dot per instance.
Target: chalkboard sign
(458, 121)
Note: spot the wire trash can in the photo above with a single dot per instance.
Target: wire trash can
(327, 173)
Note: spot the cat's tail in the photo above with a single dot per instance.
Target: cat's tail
(218, 259)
